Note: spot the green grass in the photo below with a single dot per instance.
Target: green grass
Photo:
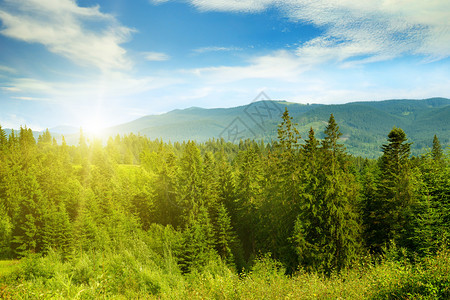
(121, 276)
(8, 266)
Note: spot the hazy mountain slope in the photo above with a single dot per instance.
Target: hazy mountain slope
(202, 124)
(364, 125)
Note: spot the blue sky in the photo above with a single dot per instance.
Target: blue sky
(100, 63)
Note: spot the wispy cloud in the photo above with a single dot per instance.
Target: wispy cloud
(5, 69)
(216, 49)
(282, 65)
(233, 5)
(373, 30)
(156, 56)
(30, 98)
(112, 85)
(61, 26)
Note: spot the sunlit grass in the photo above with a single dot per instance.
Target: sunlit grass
(132, 274)
(8, 266)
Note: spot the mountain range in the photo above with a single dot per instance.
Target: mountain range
(364, 125)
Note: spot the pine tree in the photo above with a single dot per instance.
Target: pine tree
(28, 221)
(198, 241)
(6, 227)
(330, 146)
(226, 182)
(369, 204)
(248, 198)
(45, 138)
(167, 209)
(279, 211)
(436, 151)
(210, 184)
(327, 231)
(395, 193)
(431, 219)
(288, 135)
(224, 235)
(3, 139)
(310, 148)
(13, 142)
(190, 179)
(57, 230)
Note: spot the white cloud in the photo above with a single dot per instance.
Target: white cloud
(156, 56)
(10, 89)
(112, 85)
(281, 65)
(375, 30)
(216, 49)
(61, 26)
(12, 121)
(30, 98)
(6, 69)
(158, 1)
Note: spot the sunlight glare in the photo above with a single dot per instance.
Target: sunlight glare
(93, 126)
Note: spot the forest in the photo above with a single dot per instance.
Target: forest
(293, 218)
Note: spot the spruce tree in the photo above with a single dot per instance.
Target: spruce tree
(248, 198)
(279, 211)
(310, 148)
(431, 218)
(28, 221)
(6, 227)
(210, 184)
(167, 209)
(327, 232)
(334, 152)
(3, 139)
(395, 193)
(436, 151)
(224, 235)
(198, 241)
(45, 138)
(288, 135)
(13, 142)
(190, 178)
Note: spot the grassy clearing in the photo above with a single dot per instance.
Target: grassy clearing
(119, 277)
(8, 266)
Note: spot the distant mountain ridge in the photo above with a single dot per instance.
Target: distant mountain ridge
(364, 125)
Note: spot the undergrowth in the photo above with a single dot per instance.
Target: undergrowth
(128, 274)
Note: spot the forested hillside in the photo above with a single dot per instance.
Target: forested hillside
(363, 124)
(139, 217)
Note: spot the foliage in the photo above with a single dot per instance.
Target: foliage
(139, 218)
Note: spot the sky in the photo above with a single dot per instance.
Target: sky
(98, 63)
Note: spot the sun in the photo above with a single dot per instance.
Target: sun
(93, 126)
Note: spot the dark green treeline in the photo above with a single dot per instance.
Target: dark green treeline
(307, 203)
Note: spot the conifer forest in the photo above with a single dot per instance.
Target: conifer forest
(293, 218)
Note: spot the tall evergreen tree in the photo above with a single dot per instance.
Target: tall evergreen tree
(190, 178)
(431, 218)
(327, 232)
(166, 191)
(282, 187)
(45, 137)
(395, 192)
(28, 221)
(436, 151)
(249, 189)
(3, 139)
(224, 235)
(6, 227)
(198, 241)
